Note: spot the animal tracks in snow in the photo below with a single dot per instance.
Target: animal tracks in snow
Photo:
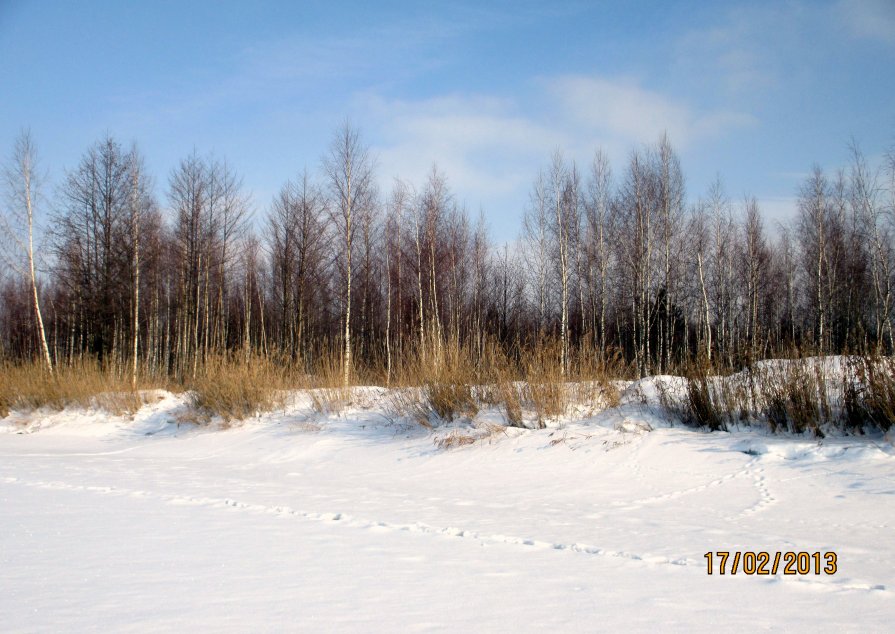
(765, 499)
(351, 521)
(357, 522)
(672, 495)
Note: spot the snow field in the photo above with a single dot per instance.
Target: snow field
(355, 522)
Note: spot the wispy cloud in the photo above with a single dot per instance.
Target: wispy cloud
(491, 147)
(484, 145)
(746, 49)
(729, 56)
(613, 110)
(871, 19)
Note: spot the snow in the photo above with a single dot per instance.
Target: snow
(360, 521)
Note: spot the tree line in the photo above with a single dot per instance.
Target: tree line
(608, 265)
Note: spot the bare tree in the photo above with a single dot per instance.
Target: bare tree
(229, 208)
(599, 220)
(188, 196)
(23, 190)
(721, 272)
(349, 170)
(480, 273)
(671, 208)
(392, 237)
(636, 216)
(600, 263)
(535, 233)
(434, 201)
(814, 234)
(866, 200)
(563, 195)
(756, 259)
(701, 245)
(140, 202)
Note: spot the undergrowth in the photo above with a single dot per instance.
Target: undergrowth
(527, 385)
(236, 390)
(29, 386)
(807, 395)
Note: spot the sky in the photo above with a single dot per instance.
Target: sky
(754, 92)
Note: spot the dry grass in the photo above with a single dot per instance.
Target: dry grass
(480, 433)
(509, 397)
(545, 383)
(788, 396)
(454, 439)
(792, 395)
(329, 394)
(595, 377)
(447, 390)
(526, 384)
(701, 405)
(234, 389)
(443, 383)
(869, 399)
(28, 387)
(407, 403)
(439, 385)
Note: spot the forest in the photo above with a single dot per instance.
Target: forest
(153, 278)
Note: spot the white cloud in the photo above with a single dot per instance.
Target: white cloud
(491, 148)
(622, 111)
(484, 146)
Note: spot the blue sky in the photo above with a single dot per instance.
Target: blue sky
(754, 91)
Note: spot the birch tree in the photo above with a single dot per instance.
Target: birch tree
(671, 207)
(139, 203)
(17, 226)
(754, 268)
(814, 235)
(866, 193)
(636, 218)
(348, 168)
(563, 197)
(536, 240)
(599, 223)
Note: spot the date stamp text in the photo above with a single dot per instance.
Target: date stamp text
(767, 563)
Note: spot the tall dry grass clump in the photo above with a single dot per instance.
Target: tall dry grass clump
(326, 385)
(439, 385)
(793, 396)
(586, 386)
(701, 405)
(545, 384)
(447, 376)
(869, 397)
(526, 383)
(449, 388)
(712, 400)
(84, 383)
(594, 377)
(801, 395)
(236, 389)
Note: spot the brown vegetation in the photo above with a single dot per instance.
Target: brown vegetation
(83, 384)
(792, 395)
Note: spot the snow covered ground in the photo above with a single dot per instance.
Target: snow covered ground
(359, 522)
